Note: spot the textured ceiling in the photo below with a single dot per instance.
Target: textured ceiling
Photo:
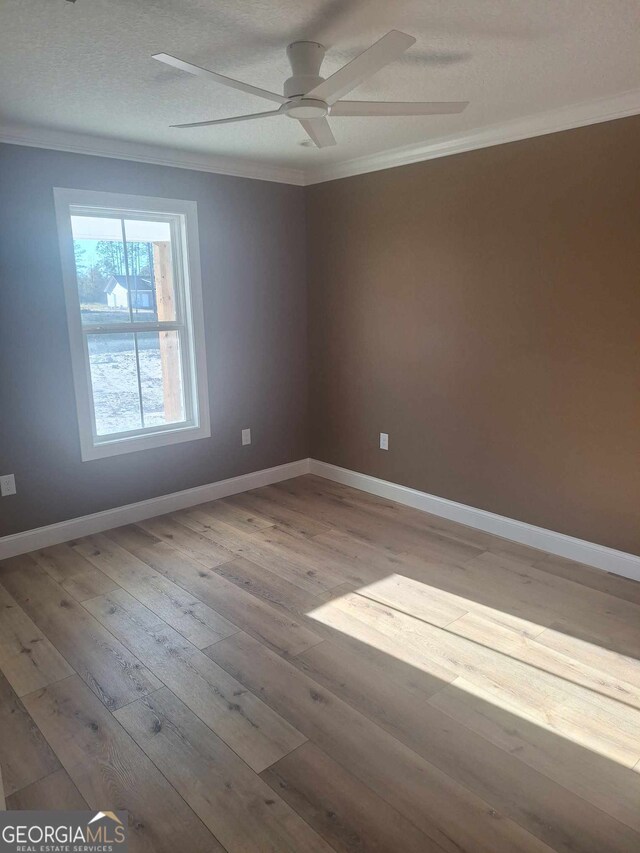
(86, 67)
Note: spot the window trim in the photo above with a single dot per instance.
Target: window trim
(185, 215)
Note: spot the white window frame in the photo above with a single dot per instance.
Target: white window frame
(183, 218)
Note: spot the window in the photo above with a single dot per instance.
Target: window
(131, 271)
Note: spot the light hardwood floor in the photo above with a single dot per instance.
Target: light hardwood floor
(306, 667)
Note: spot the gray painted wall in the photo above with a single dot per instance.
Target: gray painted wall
(252, 244)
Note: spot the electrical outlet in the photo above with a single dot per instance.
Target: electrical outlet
(7, 485)
(246, 436)
(384, 441)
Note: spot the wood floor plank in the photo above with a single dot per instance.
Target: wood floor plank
(27, 658)
(594, 720)
(130, 536)
(262, 548)
(504, 586)
(114, 674)
(559, 817)
(342, 620)
(269, 624)
(611, 787)
(568, 599)
(333, 593)
(414, 598)
(230, 799)
(494, 634)
(449, 814)
(244, 722)
(75, 574)
(591, 653)
(187, 614)
(267, 585)
(442, 586)
(387, 510)
(246, 521)
(624, 588)
(200, 548)
(446, 587)
(318, 562)
(368, 562)
(602, 629)
(348, 814)
(391, 510)
(368, 679)
(112, 772)
(25, 756)
(266, 502)
(345, 514)
(53, 792)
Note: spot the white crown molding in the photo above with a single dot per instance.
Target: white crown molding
(598, 556)
(63, 531)
(552, 121)
(157, 155)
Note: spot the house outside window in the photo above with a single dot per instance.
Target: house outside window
(137, 289)
(131, 272)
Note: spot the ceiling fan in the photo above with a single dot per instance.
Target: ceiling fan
(310, 98)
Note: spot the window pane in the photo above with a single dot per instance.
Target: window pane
(114, 381)
(100, 269)
(150, 267)
(161, 378)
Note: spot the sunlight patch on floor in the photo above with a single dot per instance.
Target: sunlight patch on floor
(498, 658)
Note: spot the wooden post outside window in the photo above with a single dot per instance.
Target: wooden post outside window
(169, 345)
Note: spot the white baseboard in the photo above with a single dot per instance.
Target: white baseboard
(598, 556)
(63, 531)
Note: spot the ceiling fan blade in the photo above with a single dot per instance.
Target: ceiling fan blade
(397, 108)
(319, 130)
(381, 53)
(220, 78)
(228, 120)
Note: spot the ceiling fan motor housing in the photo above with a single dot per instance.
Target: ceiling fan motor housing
(305, 58)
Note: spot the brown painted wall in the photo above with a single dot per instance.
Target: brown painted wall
(253, 275)
(484, 310)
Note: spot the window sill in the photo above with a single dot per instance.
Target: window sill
(143, 442)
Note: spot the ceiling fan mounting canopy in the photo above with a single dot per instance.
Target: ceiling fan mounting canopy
(302, 107)
(306, 58)
(310, 98)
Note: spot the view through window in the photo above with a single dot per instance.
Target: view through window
(131, 286)
(125, 280)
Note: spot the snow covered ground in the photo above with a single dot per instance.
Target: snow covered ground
(115, 385)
